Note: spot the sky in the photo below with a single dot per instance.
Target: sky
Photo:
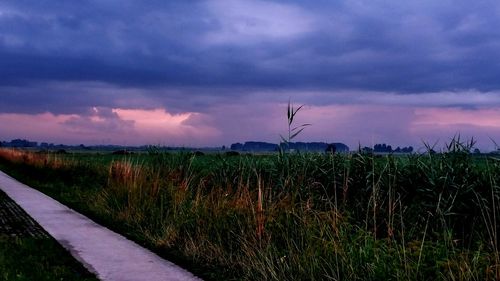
(211, 73)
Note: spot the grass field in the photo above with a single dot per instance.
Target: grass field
(28, 253)
(290, 216)
(29, 258)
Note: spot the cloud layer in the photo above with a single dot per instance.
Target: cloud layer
(228, 67)
(418, 46)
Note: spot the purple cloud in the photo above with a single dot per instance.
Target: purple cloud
(232, 65)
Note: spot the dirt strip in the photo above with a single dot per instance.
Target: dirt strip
(14, 221)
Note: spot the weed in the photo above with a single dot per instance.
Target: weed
(295, 217)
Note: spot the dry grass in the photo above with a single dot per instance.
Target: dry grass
(307, 217)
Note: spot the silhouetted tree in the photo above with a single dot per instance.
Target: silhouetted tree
(407, 149)
(237, 146)
(382, 148)
(366, 149)
(331, 148)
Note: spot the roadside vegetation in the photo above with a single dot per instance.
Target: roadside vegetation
(28, 253)
(42, 259)
(290, 216)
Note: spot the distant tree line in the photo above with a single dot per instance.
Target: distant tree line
(384, 148)
(297, 146)
(19, 143)
(22, 143)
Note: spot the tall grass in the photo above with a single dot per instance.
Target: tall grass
(298, 216)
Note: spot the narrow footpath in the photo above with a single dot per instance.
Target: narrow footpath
(109, 255)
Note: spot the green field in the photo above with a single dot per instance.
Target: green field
(33, 258)
(290, 216)
(28, 253)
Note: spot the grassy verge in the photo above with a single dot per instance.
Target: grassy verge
(291, 216)
(27, 252)
(28, 258)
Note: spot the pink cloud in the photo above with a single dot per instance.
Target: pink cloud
(360, 124)
(99, 120)
(162, 127)
(44, 126)
(153, 119)
(443, 123)
(365, 124)
(457, 116)
(108, 126)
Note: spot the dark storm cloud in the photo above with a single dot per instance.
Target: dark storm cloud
(67, 98)
(385, 46)
(98, 120)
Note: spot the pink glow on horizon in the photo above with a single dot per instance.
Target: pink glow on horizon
(359, 124)
(35, 127)
(399, 125)
(152, 119)
(455, 116)
(226, 124)
(162, 127)
(123, 126)
(441, 124)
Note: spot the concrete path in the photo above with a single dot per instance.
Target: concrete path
(107, 254)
